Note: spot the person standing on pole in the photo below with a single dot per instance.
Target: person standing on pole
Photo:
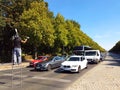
(17, 58)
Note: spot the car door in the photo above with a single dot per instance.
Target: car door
(83, 62)
(54, 62)
(57, 61)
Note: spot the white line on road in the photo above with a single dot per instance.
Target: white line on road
(15, 75)
(43, 78)
(52, 79)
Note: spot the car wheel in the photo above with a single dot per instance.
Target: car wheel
(49, 67)
(79, 69)
(36, 69)
(96, 62)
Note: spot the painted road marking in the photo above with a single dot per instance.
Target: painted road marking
(52, 79)
(16, 75)
(42, 78)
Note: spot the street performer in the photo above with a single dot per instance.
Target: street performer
(17, 58)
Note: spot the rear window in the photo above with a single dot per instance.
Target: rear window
(78, 48)
(82, 48)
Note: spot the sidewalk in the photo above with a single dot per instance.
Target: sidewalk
(105, 76)
(8, 66)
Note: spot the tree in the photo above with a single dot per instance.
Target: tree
(11, 10)
(116, 48)
(61, 33)
(36, 23)
(73, 34)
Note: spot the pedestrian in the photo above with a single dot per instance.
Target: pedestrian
(17, 58)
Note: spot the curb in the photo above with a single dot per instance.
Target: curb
(9, 66)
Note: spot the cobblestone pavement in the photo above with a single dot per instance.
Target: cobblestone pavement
(105, 76)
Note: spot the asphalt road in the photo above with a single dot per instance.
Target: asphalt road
(38, 80)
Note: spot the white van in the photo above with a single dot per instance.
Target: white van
(93, 56)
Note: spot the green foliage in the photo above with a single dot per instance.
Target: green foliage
(37, 25)
(116, 48)
(48, 33)
(60, 32)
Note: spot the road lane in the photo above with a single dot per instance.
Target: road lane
(40, 80)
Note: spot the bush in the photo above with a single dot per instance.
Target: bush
(27, 57)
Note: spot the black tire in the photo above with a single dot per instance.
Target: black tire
(96, 62)
(49, 67)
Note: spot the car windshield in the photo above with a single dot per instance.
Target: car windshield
(53, 58)
(50, 58)
(90, 53)
(73, 59)
(39, 57)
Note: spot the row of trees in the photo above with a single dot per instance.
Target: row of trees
(116, 48)
(48, 34)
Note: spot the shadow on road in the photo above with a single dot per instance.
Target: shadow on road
(115, 59)
(114, 62)
(65, 72)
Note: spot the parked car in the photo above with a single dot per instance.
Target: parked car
(52, 62)
(39, 59)
(102, 56)
(93, 56)
(74, 64)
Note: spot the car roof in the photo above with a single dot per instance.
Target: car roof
(90, 50)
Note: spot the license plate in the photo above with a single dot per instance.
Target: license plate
(38, 67)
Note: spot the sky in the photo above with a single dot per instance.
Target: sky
(99, 19)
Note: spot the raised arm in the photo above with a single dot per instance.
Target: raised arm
(25, 40)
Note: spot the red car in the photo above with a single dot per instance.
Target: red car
(39, 59)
